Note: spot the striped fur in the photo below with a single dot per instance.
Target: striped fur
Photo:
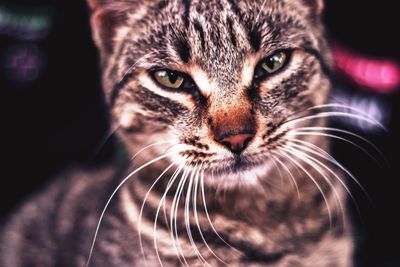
(267, 209)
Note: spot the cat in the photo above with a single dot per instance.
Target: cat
(217, 104)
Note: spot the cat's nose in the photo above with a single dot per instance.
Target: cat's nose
(237, 143)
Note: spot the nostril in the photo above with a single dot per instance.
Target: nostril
(227, 144)
(237, 143)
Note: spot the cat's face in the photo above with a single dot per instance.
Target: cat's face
(220, 78)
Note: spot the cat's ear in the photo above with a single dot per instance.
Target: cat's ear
(107, 16)
(316, 6)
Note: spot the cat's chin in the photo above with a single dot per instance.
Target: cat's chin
(237, 175)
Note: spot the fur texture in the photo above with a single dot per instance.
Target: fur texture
(273, 204)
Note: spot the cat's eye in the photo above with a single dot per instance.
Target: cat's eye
(274, 63)
(169, 79)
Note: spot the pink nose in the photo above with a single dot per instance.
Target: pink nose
(237, 143)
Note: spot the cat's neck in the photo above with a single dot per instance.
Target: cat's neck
(247, 215)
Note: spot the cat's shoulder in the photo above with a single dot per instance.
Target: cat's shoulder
(71, 202)
(72, 187)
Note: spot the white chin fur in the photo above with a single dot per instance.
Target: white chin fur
(247, 178)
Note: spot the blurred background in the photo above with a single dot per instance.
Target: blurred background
(53, 114)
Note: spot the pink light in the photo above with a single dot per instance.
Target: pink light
(382, 76)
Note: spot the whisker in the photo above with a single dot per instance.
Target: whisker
(306, 133)
(195, 195)
(187, 213)
(335, 114)
(103, 141)
(129, 70)
(310, 161)
(311, 178)
(150, 146)
(289, 172)
(330, 129)
(329, 170)
(144, 203)
(327, 106)
(279, 170)
(174, 214)
(207, 214)
(165, 213)
(113, 194)
(342, 106)
(314, 149)
(162, 200)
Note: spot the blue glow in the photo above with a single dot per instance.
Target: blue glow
(25, 24)
(369, 106)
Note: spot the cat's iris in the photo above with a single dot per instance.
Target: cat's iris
(274, 63)
(271, 65)
(169, 79)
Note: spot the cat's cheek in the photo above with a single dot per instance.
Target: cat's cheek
(277, 79)
(321, 88)
(126, 121)
(128, 118)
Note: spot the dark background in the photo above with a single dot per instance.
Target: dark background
(53, 113)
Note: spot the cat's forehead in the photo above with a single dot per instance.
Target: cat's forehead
(217, 40)
(227, 22)
(216, 36)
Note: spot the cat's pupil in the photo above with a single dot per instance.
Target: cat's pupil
(273, 61)
(173, 77)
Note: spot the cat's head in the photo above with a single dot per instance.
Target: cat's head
(220, 78)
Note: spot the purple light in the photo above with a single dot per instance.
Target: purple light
(22, 63)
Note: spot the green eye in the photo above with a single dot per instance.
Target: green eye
(169, 79)
(274, 63)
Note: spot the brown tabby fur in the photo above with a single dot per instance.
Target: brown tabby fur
(252, 201)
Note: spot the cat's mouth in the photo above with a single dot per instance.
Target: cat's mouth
(238, 170)
(232, 169)
(237, 164)
(240, 163)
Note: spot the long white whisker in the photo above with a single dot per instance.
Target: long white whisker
(345, 107)
(144, 203)
(305, 133)
(314, 149)
(312, 146)
(113, 194)
(335, 114)
(165, 208)
(337, 106)
(174, 214)
(104, 140)
(330, 129)
(328, 169)
(340, 131)
(149, 146)
(311, 178)
(172, 181)
(289, 172)
(195, 195)
(279, 170)
(207, 214)
(187, 213)
(129, 70)
(309, 160)
(338, 164)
